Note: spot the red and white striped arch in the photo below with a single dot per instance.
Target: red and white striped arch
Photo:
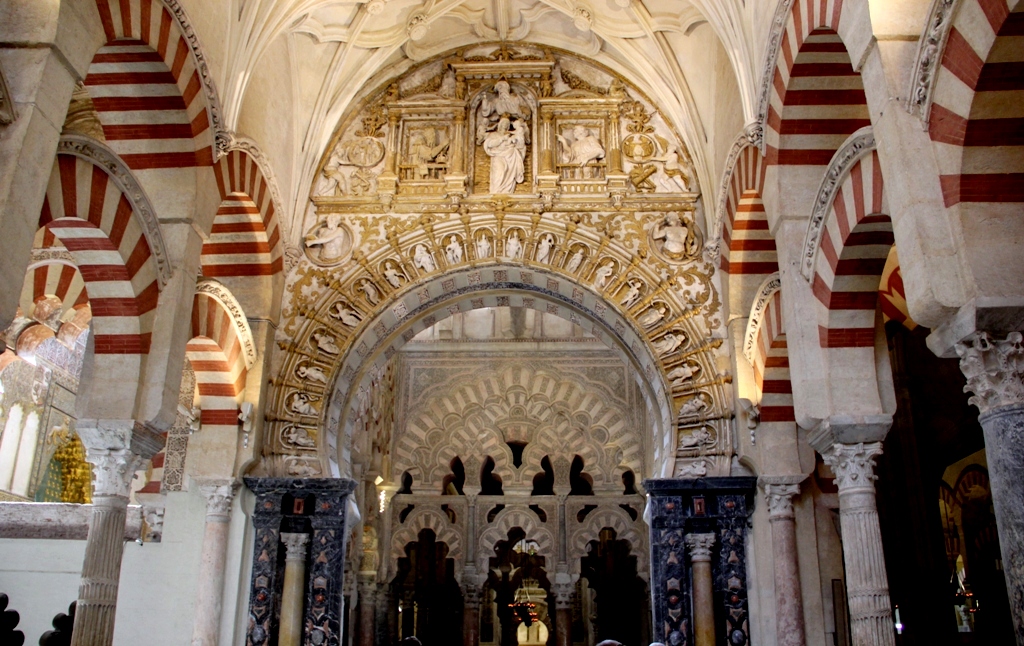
(87, 211)
(749, 247)
(816, 98)
(59, 278)
(245, 238)
(976, 119)
(148, 90)
(852, 247)
(767, 351)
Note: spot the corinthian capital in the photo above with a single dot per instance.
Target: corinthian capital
(780, 499)
(700, 546)
(994, 370)
(218, 492)
(854, 465)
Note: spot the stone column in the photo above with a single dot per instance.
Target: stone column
(109, 448)
(293, 593)
(206, 624)
(995, 374)
(789, 607)
(367, 611)
(867, 586)
(563, 613)
(471, 615)
(703, 588)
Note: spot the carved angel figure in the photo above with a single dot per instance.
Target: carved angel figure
(325, 342)
(652, 316)
(483, 246)
(301, 405)
(422, 259)
(693, 470)
(344, 314)
(544, 248)
(453, 252)
(312, 373)
(298, 436)
(583, 148)
(370, 291)
(695, 439)
(668, 343)
(693, 406)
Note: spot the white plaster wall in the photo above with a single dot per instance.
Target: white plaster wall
(41, 578)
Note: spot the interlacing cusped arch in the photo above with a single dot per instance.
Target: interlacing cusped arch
(509, 518)
(407, 529)
(413, 222)
(610, 515)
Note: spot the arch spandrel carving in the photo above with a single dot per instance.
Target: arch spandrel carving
(623, 259)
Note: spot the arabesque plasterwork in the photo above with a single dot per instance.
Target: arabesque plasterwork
(605, 220)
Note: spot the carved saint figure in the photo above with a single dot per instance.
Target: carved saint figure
(679, 239)
(453, 252)
(332, 238)
(325, 342)
(544, 248)
(603, 273)
(370, 291)
(347, 316)
(633, 293)
(695, 439)
(668, 343)
(652, 316)
(514, 248)
(675, 175)
(448, 85)
(392, 275)
(683, 373)
(483, 246)
(298, 436)
(507, 149)
(503, 102)
(694, 470)
(575, 261)
(300, 404)
(311, 373)
(425, 153)
(333, 181)
(422, 259)
(693, 406)
(584, 147)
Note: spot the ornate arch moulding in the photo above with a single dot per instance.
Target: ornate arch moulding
(768, 67)
(930, 49)
(765, 293)
(98, 154)
(221, 136)
(853, 150)
(752, 135)
(227, 300)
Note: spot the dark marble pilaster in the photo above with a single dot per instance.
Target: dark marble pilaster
(721, 506)
(321, 514)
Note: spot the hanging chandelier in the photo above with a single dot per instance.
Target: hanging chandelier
(522, 607)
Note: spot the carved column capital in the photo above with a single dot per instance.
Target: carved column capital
(472, 596)
(563, 591)
(367, 589)
(219, 494)
(700, 546)
(113, 470)
(994, 369)
(780, 500)
(854, 466)
(295, 546)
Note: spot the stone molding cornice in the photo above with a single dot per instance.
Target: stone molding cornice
(859, 144)
(994, 370)
(223, 295)
(102, 156)
(765, 292)
(221, 137)
(929, 56)
(854, 466)
(768, 67)
(752, 135)
(700, 546)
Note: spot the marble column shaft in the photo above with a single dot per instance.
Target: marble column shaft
(789, 607)
(114, 467)
(563, 614)
(994, 369)
(367, 612)
(867, 585)
(210, 589)
(293, 592)
(703, 588)
(471, 615)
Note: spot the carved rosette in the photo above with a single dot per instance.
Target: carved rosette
(219, 495)
(700, 546)
(994, 369)
(780, 500)
(854, 466)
